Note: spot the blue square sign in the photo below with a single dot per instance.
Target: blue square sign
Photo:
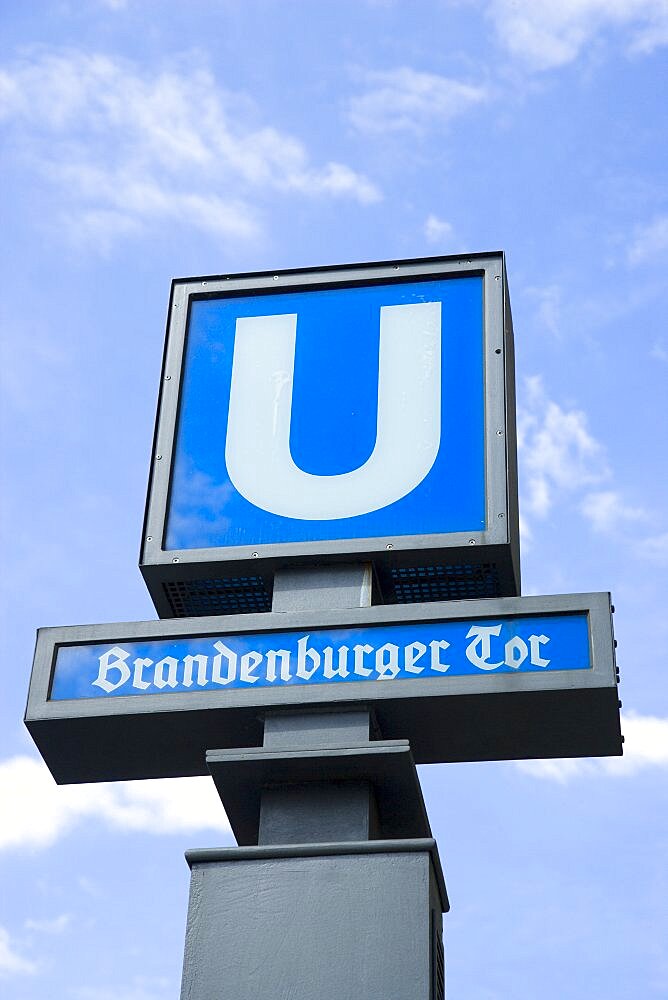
(330, 414)
(362, 412)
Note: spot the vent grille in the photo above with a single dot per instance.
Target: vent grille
(232, 596)
(437, 958)
(440, 968)
(412, 584)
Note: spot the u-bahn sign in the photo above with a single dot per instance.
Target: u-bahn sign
(363, 412)
(470, 680)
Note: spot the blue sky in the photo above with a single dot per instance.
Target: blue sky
(145, 140)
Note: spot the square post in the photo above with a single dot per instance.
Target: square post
(325, 901)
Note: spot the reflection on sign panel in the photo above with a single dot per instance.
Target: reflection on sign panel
(323, 656)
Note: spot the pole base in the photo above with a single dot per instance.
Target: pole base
(295, 922)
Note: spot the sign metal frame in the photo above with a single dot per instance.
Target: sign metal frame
(498, 545)
(497, 716)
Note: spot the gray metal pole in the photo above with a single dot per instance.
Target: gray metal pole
(337, 891)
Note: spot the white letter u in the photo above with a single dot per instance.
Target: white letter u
(408, 428)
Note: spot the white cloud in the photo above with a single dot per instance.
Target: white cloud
(549, 307)
(140, 988)
(549, 33)
(43, 811)
(526, 532)
(558, 455)
(650, 240)
(404, 100)
(653, 33)
(132, 202)
(129, 149)
(11, 963)
(654, 549)
(561, 462)
(57, 925)
(607, 511)
(438, 231)
(659, 352)
(645, 746)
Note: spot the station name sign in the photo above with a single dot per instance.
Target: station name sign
(325, 656)
(495, 679)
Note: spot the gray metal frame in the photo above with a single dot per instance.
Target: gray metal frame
(221, 855)
(243, 776)
(499, 542)
(502, 716)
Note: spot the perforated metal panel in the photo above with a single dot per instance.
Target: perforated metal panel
(402, 585)
(440, 969)
(437, 958)
(234, 595)
(413, 584)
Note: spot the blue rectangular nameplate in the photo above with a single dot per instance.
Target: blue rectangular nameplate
(386, 653)
(460, 680)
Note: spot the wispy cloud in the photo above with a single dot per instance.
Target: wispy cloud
(438, 232)
(659, 351)
(546, 33)
(653, 549)
(607, 511)
(649, 241)
(549, 300)
(11, 962)
(561, 462)
(140, 988)
(558, 454)
(56, 925)
(42, 811)
(645, 746)
(405, 100)
(128, 149)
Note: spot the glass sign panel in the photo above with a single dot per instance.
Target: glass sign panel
(336, 413)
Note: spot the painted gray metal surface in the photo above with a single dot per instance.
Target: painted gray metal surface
(302, 730)
(320, 784)
(319, 777)
(314, 921)
(386, 767)
(499, 716)
(205, 855)
(317, 587)
(498, 545)
(317, 812)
